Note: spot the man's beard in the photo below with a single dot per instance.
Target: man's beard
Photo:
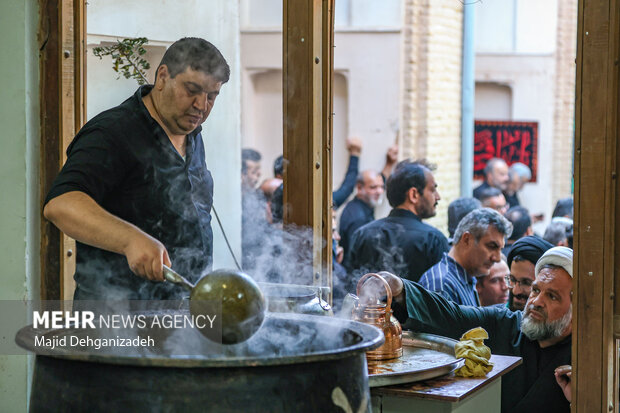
(375, 202)
(427, 210)
(511, 303)
(544, 330)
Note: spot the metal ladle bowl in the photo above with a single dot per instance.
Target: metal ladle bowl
(242, 309)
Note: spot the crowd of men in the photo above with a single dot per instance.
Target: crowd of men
(483, 230)
(490, 271)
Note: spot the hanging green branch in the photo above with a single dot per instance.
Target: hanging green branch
(127, 58)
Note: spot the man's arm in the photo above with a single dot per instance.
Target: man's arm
(390, 160)
(354, 146)
(432, 313)
(80, 217)
(427, 312)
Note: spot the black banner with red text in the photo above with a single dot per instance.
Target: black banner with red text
(509, 140)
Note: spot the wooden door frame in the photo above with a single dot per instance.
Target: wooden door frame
(307, 56)
(596, 296)
(62, 65)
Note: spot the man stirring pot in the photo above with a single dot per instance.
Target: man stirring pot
(135, 191)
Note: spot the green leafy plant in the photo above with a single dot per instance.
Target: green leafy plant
(127, 58)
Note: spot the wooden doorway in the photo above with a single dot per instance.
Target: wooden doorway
(62, 60)
(597, 191)
(596, 296)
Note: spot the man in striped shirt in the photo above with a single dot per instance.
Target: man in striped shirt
(478, 241)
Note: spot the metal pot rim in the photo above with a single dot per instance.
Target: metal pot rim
(287, 291)
(371, 338)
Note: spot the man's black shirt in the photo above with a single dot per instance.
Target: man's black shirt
(532, 386)
(512, 200)
(400, 243)
(356, 214)
(124, 160)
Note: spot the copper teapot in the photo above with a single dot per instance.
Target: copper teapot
(380, 315)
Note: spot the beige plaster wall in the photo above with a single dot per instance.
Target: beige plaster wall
(19, 186)
(366, 84)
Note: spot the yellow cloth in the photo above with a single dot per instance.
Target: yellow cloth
(476, 354)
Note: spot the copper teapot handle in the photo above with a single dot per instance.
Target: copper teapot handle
(385, 284)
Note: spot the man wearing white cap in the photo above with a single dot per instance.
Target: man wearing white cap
(541, 334)
(548, 312)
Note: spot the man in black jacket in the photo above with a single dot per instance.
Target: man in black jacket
(401, 242)
(361, 209)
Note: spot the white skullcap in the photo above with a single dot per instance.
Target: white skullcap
(560, 256)
(563, 220)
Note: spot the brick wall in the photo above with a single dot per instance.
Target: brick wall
(564, 107)
(431, 100)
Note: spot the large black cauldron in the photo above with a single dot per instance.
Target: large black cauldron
(294, 363)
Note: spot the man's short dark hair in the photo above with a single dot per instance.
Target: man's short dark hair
(491, 164)
(489, 193)
(478, 221)
(278, 166)
(248, 154)
(197, 54)
(521, 221)
(519, 258)
(458, 209)
(564, 208)
(407, 174)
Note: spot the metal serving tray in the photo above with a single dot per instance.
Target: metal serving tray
(425, 356)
